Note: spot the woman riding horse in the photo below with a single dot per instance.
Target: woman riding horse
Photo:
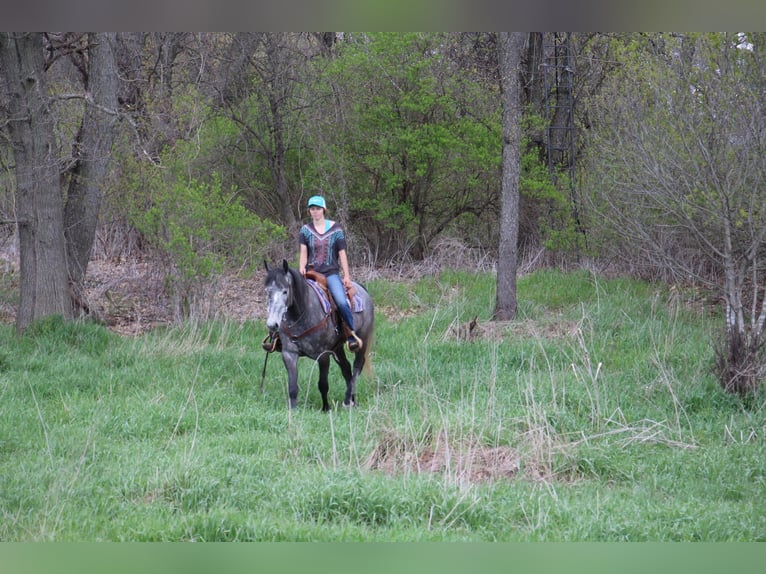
(300, 325)
(323, 249)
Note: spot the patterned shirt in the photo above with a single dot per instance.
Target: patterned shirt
(323, 248)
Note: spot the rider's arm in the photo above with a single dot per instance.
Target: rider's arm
(344, 267)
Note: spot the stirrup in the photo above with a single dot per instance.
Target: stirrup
(354, 342)
(271, 342)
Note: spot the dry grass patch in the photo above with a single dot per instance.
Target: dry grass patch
(475, 330)
(464, 460)
(459, 460)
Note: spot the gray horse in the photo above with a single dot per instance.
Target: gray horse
(307, 328)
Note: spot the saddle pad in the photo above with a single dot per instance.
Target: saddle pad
(357, 305)
(321, 294)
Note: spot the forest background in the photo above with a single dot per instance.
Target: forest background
(641, 154)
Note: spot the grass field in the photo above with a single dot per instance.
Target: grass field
(592, 417)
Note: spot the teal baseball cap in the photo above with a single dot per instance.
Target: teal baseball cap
(317, 200)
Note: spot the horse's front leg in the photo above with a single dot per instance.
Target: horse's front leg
(291, 364)
(324, 384)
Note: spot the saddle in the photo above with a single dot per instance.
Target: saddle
(321, 280)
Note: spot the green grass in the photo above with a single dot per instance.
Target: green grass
(601, 390)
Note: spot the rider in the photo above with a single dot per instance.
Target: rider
(323, 249)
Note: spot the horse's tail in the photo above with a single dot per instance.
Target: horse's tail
(367, 368)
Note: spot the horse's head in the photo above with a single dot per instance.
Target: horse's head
(279, 293)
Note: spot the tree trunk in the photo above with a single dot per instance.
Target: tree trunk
(510, 46)
(233, 82)
(43, 277)
(533, 89)
(92, 152)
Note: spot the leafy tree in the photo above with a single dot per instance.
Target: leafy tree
(199, 230)
(267, 103)
(418, 140)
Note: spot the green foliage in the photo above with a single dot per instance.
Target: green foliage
(197, 226)
(192, 207)
(693, 161)
(418, 153)
(681, 196)
(202, 228)
(417, 156)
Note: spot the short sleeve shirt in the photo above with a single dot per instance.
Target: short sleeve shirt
(323, 248)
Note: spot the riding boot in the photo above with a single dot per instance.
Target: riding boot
(272, 342)
(354, 342)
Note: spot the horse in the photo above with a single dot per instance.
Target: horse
(307, 328)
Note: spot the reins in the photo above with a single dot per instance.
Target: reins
(263, 373)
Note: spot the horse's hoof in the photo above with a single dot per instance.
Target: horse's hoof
(349, 404)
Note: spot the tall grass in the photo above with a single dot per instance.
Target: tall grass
(593, 416)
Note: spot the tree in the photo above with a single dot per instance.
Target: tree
(679, 172)
(266, 104)
(91, 155)
(44, 285)
(510, 46)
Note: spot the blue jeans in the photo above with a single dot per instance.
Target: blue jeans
(335, 285)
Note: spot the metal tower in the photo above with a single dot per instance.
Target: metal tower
(558, 74)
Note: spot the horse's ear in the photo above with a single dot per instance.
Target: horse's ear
(284, 265)
(266, 265)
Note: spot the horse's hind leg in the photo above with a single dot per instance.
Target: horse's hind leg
(345, 367)
(359, 359)
(324, 385)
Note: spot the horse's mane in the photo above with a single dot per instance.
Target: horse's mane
(299, 284)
